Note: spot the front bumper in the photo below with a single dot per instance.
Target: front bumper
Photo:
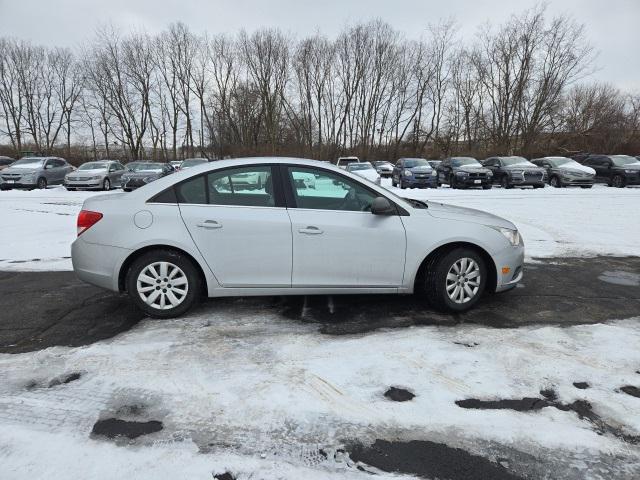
(474, 181)
(513, 259)
(10, 184)
(427, 182)
(88, 185)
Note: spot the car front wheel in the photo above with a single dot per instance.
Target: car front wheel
(555, 182)
(42, 183)
(164, 283)
(106, 184)
(455, 281)
(618, 181)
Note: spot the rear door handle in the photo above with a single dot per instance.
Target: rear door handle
(209, 224)
(310, 230)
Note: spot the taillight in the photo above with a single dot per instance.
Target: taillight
(87, 219)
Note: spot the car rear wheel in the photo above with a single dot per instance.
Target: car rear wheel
(106, 185)
(454, 281)
(42, 183)
(164, 283)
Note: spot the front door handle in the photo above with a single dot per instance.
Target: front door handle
(310, 230)
(209, 224)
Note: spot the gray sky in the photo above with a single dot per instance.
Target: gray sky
(613, 26)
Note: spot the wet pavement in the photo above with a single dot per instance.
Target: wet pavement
(43, 309)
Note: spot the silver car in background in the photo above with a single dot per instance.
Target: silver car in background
(192, 162)
(35, 172)
(193, 233)
(100, 175)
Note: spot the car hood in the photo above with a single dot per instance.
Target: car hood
(578, 168)
(370, 174)
(385, 167)
(141, 174)
(420, 169)
(83, 173)
(523, 167)
(21, 171)
(633, 166)
(471, 169)
(451, 212)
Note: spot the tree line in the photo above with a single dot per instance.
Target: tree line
(521, 87)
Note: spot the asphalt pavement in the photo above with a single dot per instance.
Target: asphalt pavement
(44, 309)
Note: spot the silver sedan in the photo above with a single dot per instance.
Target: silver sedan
(194, 233)
(101, 175)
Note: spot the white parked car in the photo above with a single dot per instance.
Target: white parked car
(364, 170)
(189, 234)
(344, 161)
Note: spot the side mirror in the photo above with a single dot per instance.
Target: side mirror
(382, 206)
(48, 166)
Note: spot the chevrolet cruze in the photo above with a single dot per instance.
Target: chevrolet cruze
(204, 231)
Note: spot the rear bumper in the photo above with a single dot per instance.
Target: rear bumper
(97, 264)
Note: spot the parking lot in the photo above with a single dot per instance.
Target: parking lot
(539, 382)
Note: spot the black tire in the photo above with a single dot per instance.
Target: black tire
(402, 187)
(42, 183)
(555, 182)
(106, 185)
(194, 279)
(393, 182)
(487, 187)
(452, 181)
(586, 186)
(618, 181)
(70, 189)
(538, 186)
(505, 183)
(433, 282)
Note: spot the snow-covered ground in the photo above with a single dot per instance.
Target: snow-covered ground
(261, 395)
(39, 226)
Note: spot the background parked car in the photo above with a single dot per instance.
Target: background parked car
(100, 175)
(5, 162)
(35, 172)
(463, 172)
(176, 164)
(615, 170)
(364, 170)
(565, 172)
(414, 172)
(344, 161)
(138, 174)
(384, 168)
(192, 162)
(515, 171)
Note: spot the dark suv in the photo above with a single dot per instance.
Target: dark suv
(516, 171)
(615, 170)
(463, 172)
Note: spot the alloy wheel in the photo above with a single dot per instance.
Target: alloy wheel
(463, 280)
(107, 184)
(162, 285)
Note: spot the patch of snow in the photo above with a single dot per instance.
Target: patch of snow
(242, 385)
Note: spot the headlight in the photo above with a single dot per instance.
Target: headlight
(148, 179)
(29, 176)
(630, 171)
(433, 173)
(513, 236)
(407, 173)
(489, 173)
(97, 177)
(462, 174)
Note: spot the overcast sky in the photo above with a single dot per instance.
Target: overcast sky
(613, 26)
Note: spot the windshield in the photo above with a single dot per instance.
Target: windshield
(360, 166)
(191, 163)
(145, 167)
(458, 162)
(415, 162)
(621, 160)
(515, 161)
(28, 163)
(94, 166)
